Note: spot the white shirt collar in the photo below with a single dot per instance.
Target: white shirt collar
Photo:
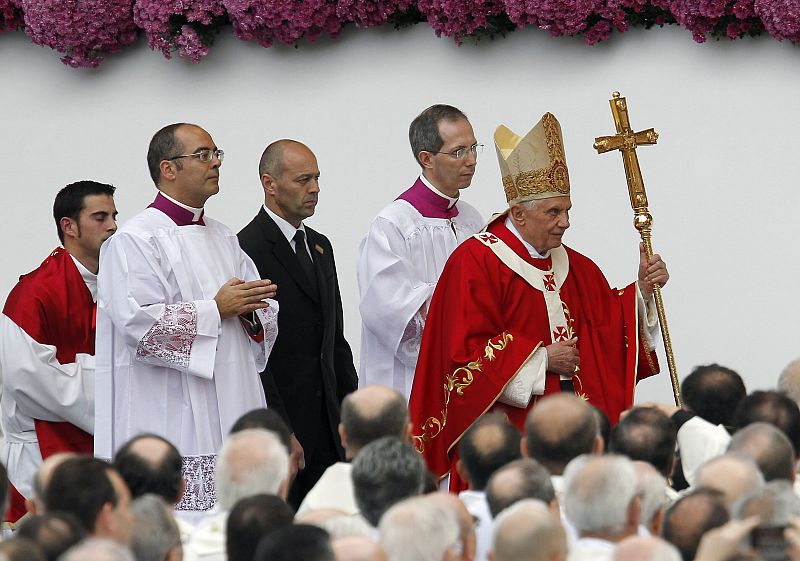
(196, 212)
(288, 230)
(430, 186)
(88, 277)
(531, 250)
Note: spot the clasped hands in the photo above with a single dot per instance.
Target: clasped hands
(237, 297)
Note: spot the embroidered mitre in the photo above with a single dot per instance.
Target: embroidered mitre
(533, 166)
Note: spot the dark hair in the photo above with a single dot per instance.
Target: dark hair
(556, 453)
(770, 407)
(163, 145)
(686, 535)
(769, 448)
(490, 443)
(361, 429)
(143, 475)
(713, 392)
(300, 542)
(533, 483)
(70, 200)
(423, 133)
(648, 435)
(264, 419)
(53, 532)
(385, 472)
(81, 486)
(603, 424)
(250, 520)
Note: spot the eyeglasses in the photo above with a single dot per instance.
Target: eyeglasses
(205, 155)
(475, 149)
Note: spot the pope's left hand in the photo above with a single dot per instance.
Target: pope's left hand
(651, 272)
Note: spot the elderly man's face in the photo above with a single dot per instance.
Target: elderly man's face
(544, 225)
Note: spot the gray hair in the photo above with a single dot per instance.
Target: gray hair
(776, 504)
(423, 133)
(385, 472)
(97, 549)
(789, 380)
(652, 488)
(521, 479)
(155, 531)
(250, 462)
(598, 492)
(646, 548)
(768, 447)
(527, 531)
(418, 529)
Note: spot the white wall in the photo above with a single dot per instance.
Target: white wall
(722, 182)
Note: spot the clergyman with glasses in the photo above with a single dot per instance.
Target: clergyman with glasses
(408, 243)
(184, 322)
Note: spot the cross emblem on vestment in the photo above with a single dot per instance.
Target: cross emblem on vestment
(550, 282)
(487, 237)
(560, 334)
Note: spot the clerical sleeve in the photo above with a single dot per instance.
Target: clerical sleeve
(268, 317)
(139, 298)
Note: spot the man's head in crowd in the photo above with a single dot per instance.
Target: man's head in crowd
(648, 435)
(600, 497)
(528, 531)
(299, 542)
(250, 520)
(419, 529)
(561, 427)
(264, 419)
(250, 462)
(53, 532)
(466, 524)
(20, 549)
(775, 504)
(690, 517)
(713, 392)
(98, 549)
(773, 408)
(768, 447)
(652, 489)
(521, 479)
(733, 475)
(150, 464)
(36, 504)
(646, 548)
(385, 472)
(358, 548)
(789, 381)
(490, 443)
(105, 512)
(370, 413)
(155, 533)
(603, 425)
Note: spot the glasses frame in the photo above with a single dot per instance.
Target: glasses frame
(219, 154)
(475, 149)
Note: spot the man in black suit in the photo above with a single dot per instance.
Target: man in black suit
(310, 369)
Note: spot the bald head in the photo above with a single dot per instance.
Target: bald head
(272, 159)
(561, 427)
(528, 531)
(789, 381)
(521, 479)
(646, 548)
(150, 464)
(490, 443)
(692, 516)
(357, 548)
(732, 475)
(466, 525)
(768, 447)
(370, 413)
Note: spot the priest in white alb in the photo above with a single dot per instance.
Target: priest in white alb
(408, 243)
(184, 324)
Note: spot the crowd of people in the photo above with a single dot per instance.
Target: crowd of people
(173, 390)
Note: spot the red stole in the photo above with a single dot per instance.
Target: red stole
(485, 321)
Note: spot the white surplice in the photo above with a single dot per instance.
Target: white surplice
(166, 363)
(399, 262)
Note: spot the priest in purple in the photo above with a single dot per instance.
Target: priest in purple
(408, 243)
(184, 324)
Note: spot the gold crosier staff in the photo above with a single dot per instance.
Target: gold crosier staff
(626, 142)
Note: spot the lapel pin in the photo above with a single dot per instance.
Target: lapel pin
(319, 249)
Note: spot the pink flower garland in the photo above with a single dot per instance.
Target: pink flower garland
(369, 13)
(456, 18)
(10, 15)
(781, 18)
(701, 17)
(154, 16)
(559, 17)
(84, 30)
(285, 21)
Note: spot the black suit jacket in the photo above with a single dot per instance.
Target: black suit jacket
(311, 362)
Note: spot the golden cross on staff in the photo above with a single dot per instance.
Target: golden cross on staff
(626, 142)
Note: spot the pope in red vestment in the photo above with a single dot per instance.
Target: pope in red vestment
(516, 313)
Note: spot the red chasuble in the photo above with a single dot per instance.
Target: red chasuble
(54, 307)
(485, 321)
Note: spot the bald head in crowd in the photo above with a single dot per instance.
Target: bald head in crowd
(690, 517)
(768, 447)
(789, 381)
(151, 464)
(419, 529)
(521, 479)
(561, 427)
(646, 548)
(490, 443)
(733, 475)
(36, 504)
(528, 531)
(370, 413)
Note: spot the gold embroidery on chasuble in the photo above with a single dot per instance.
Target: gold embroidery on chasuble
(461, 379)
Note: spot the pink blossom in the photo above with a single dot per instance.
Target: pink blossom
(730, 18)
(781, 18)
(286, 21)
(84, 30)
(454, 18)
(10, 15)
(174, 25)
(369, 13)
(559, 17)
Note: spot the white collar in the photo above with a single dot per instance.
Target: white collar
(288, 230)
(531, 250)
(197, 212)
(88, 277)
(430, 186)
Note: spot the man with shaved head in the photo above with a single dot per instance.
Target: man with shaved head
(310, 369)
(528, 531)
(368, 414)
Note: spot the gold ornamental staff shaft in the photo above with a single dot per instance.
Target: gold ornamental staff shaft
(626, 142)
